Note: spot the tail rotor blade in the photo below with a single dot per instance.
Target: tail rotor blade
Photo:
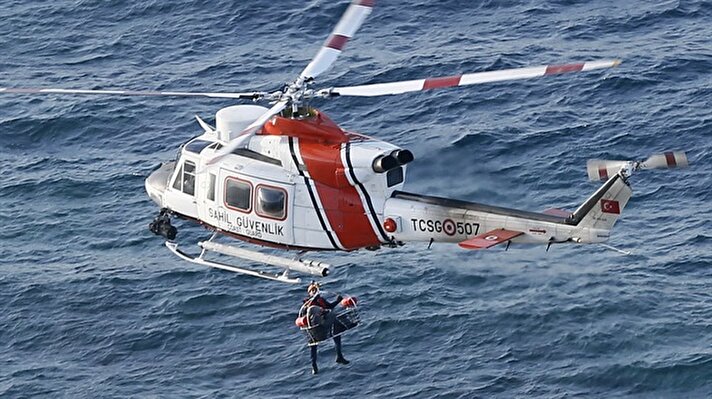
(599, 169)
(666, 160)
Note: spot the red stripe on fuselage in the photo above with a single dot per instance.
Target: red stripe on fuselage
(340, 200)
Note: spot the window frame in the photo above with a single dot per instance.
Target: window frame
(178, 179)
(194, 174)
(212, 187)
(252, 193)
(286, 201)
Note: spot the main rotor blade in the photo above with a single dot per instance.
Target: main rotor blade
(249, 131)
(250, 95)
(352, 19)
(381, 89)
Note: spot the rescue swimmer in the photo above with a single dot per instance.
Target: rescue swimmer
(320, 320)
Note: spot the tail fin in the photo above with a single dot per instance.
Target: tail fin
(602, 209)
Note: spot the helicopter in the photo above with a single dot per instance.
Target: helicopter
(289, 177)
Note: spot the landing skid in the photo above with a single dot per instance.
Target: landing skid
(283, 277)
(299, 265)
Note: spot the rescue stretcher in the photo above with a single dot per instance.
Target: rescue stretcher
(319, 324)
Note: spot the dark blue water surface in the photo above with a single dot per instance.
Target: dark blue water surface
(92, 304)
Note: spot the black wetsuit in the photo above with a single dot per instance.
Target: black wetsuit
(318, 300)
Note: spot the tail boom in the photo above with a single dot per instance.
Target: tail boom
(420, 218)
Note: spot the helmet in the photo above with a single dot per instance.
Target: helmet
(313, 287)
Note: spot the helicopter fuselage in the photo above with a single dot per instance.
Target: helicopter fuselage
(302, 183)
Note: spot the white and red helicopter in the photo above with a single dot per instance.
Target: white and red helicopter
(289, 177)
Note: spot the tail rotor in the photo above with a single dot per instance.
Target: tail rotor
(601, 170)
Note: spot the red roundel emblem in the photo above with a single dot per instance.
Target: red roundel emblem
(449, 227)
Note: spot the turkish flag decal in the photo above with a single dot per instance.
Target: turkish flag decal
(610, 206)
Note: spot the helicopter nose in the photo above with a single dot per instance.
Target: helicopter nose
(157, 182)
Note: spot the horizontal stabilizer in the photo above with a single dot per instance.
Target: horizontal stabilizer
(489, 239)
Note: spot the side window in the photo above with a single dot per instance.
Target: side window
(211, 187)
(189, 178)
(238, 194)
(271, 202)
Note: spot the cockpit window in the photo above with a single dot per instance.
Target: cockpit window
(178, 182)
(185, 178)
(189, 178)
(271, 202)
(196, 146)
(238, 194)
